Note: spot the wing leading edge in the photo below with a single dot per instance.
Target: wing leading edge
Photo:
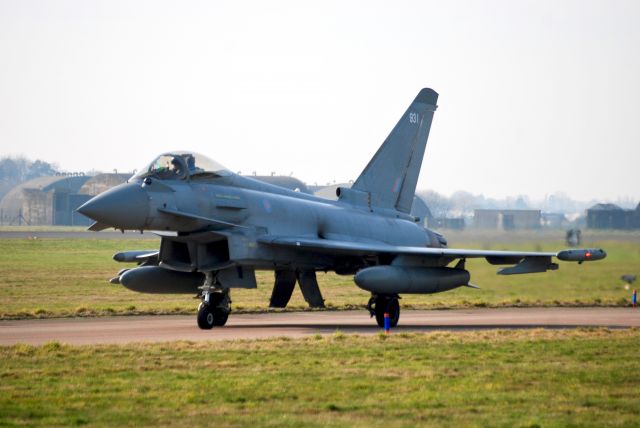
(522, 261)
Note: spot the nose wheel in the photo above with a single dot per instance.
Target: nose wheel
(210, 316)
(215, 306)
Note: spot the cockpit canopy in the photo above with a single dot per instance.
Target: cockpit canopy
(181, 165)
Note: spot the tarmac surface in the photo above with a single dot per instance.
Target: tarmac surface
(129, 329)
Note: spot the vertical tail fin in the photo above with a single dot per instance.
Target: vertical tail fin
(391, 176)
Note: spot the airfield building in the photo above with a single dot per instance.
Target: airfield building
(554, 220)
(53, 200)
(507, 219)
(101, 183)
(452, 223)
(42, 201)
(611, 216)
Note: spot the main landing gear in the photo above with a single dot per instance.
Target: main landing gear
(215, 306)
(379, 305)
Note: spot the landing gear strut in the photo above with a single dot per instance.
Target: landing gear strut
(379, 305)
(215, 306)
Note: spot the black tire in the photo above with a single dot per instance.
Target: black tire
(388, 305)
(210, 316)
(220, 317)
(206, 317)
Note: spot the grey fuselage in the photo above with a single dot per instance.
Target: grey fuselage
(257, 210)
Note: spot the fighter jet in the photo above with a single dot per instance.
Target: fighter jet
(217, 228)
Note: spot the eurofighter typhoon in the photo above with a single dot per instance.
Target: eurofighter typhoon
(217, 228)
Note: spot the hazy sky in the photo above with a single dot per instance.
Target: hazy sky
(535, 96)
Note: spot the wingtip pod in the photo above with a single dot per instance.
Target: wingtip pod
(582, 255)
(427, 96)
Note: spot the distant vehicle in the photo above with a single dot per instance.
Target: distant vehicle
(217, 228)
(574, 237)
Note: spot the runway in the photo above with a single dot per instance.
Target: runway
(130, 329)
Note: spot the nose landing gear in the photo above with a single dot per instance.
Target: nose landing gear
(215, 306)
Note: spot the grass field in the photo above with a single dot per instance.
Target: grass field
(496, 378)
(45, 228)
(68, 277)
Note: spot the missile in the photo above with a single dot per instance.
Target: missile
(134, 256)
(582, 255)
(116, 279)
(408, 280)
(158, 280)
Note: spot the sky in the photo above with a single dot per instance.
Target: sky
(536, 97)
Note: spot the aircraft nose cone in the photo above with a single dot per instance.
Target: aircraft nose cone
(124, 207)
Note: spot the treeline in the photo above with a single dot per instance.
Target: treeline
(15, 170)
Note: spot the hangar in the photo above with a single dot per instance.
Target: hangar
(53, 200)
(611, 216)
(507, 219)
(42, 201)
